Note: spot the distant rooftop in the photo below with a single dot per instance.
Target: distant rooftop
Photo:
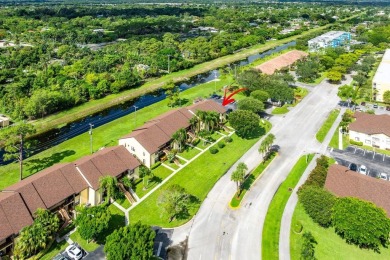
(328, 36)
(382, 73)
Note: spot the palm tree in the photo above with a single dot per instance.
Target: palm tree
(202, 118)
(179, 139)
(109, 183)
(144, 172)
(238, 176)
(270, 141)
(194, 121)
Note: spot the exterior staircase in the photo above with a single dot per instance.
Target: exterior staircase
(128, 195)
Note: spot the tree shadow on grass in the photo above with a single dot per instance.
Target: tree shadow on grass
(35, 165)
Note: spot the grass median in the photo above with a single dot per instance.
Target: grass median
(321, 134)
(197, 178)
(273, 219)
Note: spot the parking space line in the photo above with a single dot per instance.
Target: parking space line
(384, 156)
(159, 249)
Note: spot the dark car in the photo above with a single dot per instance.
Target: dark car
(353, 167)
(215, 96)
(388, 108)
(363, 103)
(375, 106)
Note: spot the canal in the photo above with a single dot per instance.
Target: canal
(56, 136)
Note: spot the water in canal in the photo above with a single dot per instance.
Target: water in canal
(57, 136)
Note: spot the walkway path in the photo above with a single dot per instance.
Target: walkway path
(285, 226)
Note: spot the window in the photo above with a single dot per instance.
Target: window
(357, 139)
(388, 141)
(143, 153)
(143, 161)
(368, 141)
(132, 148)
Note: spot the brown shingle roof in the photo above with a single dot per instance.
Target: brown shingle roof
(13, 214)
(371, 124)
(111, 161)
(282, 61)
(345, 183)
(157, 132)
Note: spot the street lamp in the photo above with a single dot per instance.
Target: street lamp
(90, 136)
(135, 115)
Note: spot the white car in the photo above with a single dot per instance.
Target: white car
(363, 169)
(74, 252)
(383, 176)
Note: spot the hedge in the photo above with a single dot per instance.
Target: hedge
(356, 142)
(213, 150)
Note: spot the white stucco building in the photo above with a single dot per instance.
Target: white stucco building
(371, 130)
(381, 80)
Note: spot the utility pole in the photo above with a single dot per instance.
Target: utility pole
(215, 81)
(135, 115)
(90, 136)
(169, 63)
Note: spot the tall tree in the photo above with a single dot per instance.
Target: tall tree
(251, 104)
(175, 201)
(238, 176)
(386, 96)
(92, 221)
(179, 139)
(145, 173)
(13, 139)
(130, 242)
(245, 122)
(110, 185)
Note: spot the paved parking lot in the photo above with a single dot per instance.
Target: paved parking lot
(375, 162)
(162, 242)
(85, 253)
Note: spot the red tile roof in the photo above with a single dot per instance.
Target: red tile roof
(156, 133)
(371, 124)
(345, 183)
(282, 61)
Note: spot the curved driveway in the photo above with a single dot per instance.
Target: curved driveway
(218, 232)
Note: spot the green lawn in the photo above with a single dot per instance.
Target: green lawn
(197, 178)
(280, 110)
(273, 219)
(321, 134)
(106, 135)
(330, 246)
(334, 142)
(117, 220)
(236, 200)
(189, 152)
(159, 174)
(54, 250)
(124, 202)
(171, 164)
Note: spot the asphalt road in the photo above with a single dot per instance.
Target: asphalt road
(375, 162)
(219, 232)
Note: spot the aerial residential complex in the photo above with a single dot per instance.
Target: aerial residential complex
(381, 80)
(371, 130)
(331, 39)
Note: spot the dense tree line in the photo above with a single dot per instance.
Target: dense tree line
(48, 65)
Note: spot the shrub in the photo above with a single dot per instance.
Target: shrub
(154, 166)
(356, 142)
(221, 144)
(361, 223)
(317, 176)
(318, 204)
(228, 139)
(213, 150)
(196, 142)
(308, 246)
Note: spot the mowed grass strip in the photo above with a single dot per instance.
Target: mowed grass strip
(329, 245)
(273, 219)
(321, 134)
(235, 202)
(103, 136)
(197, 178)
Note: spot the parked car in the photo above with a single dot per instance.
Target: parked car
(388, 108)
(60, 257)
(353, 167)
(215, 96)
(383, 176)
(363, 169)
(74, 252)
(363, 103)
(375, 106)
